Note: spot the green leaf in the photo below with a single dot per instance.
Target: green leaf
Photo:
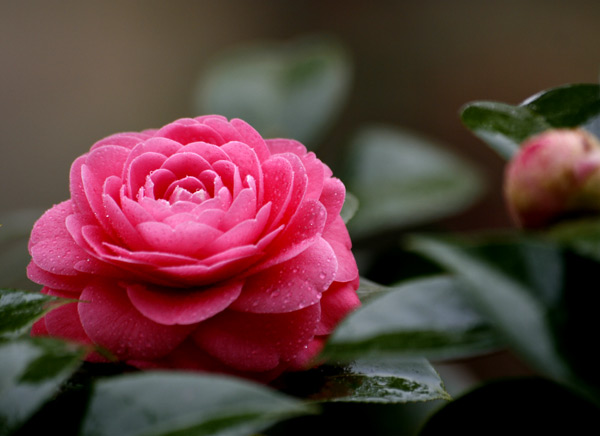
(425, 317)
(161, 403)
(351, 205)
(392, 380)
(20, 309)
(289, 89)
(500, 285)
(568, 105)
(401, 180)
(32, 372)
(502, 126)
(583, 236)
(515, 406)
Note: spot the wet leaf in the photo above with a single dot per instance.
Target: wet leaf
(161, 403)
(426, 317)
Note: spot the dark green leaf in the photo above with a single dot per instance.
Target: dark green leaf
(397, 380)
(20, 309)
(401, 179)
(516, 406)
(32, 372)
(291, 90)
(426, 317)
(567, 105)
(162, 403)
(502, 126)
(500, 285)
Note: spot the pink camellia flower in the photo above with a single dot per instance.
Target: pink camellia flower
(199, 245)
(555, 174)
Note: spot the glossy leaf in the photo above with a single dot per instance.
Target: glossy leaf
(397, 380)
(20, 309)
(292, 90)
(523, 287)
(32, 372)
(568, 105)
(504, 127)
(161, 403)
(425, 317)
(401, 180)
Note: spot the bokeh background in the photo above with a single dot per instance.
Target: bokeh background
(73, 72)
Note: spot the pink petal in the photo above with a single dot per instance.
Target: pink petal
(182, 306)
(111, 321)
(185, 163)
(291, 285)
(332, 198)
(139, 169)
(125, 139)
(339, 300)
(76, 186)
(209, 152)
(120, 225)
(57, 255)
(339, 239)
(301, 232)
(63, 321)
(257, 342)
(188, 238)
(69, 283)
(186, 133)
(297, 191)
(244, 158)
(278, 183)
(252, 138)
(242, 208)
(282, 145)
(52, 223)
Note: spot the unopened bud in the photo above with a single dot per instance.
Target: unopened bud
(556, 174)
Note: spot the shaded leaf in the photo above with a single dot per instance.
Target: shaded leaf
(32, 372)
(401, 179)
(568, 105)
(351, 205)
(161, 403)
(383, 381)
(20, 309)
(502, 126)
(292, 90)
(583, 236)
(426, 317)
(496, 275)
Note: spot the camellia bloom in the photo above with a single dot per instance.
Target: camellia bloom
(199, 245)
(555, 174)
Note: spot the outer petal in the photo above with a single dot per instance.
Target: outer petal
(337, 302)
(253, 342)
(291, 285)
(110, 320)
(182, 306)
(339, 239)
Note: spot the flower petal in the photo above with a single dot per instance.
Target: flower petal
(257, 342)
(182, 306)
(110, 320)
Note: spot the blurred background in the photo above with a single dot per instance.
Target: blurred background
(73, 72)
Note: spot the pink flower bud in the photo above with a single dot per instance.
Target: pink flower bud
(554, 175)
